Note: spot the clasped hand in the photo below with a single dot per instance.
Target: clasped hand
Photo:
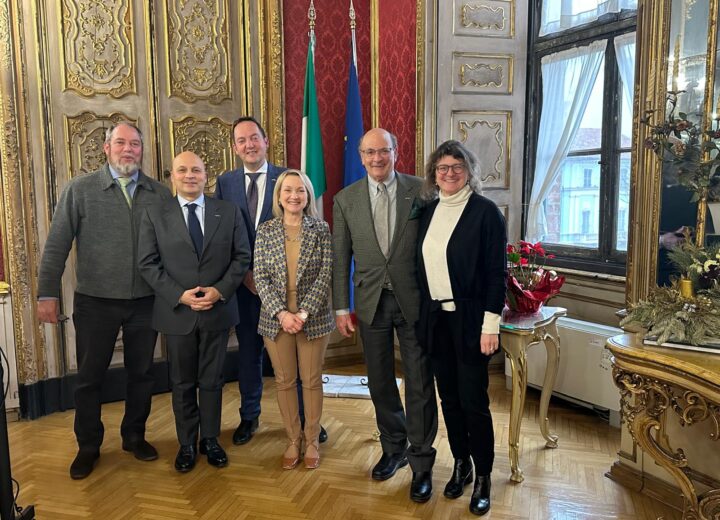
(200, 298)
(290, 322)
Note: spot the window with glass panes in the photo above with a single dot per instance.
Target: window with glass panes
(578, 181)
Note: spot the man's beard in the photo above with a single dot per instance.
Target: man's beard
(126, 169)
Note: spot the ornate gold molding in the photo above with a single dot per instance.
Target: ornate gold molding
(489, 18)
(494, 129)
(85, 136)
(18, 197)
(95, 57)
(420, 42)
(272, 76)
(198, 50)
(482, 73)
(375, 63)
(645, 179)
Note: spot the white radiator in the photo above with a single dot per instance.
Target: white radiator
(585, 373)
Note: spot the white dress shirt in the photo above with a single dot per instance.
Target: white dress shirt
(199, 211)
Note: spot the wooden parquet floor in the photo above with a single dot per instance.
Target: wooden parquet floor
(561, 484)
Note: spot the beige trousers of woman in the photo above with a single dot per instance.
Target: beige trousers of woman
(288, 353)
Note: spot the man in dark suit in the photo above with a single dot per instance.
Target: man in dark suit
(376, 221)
(101, 213)
(250, 188)
(194, 252)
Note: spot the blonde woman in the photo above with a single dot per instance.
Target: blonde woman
(293, 266)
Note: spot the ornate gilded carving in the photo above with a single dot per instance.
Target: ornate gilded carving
(98, 58)
(488, 133)
(209, 139)
(494, 18)
(644, 402)
(481, 75)
(198, 56)
(5, 41)
(480, 16)
(85, 134)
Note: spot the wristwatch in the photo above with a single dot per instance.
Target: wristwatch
(302, 314)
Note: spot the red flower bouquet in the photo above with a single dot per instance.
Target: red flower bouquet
(530, 285)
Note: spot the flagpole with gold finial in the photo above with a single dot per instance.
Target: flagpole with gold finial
(311, 21)
(352, 31)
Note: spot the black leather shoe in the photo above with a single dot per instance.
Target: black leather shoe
(388, 464)
(83, 464)
(142, 449)
(185, 459)
(421, 486)
(461, 477)
(215, 454)
(480, 501)
(245, 431)
(323, 437)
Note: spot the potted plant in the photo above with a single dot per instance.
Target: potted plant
(529, 285)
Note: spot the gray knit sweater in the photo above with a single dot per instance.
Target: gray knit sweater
(93, 212)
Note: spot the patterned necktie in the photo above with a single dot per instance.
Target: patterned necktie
(124, 181)
(196, 233)
(382, 219)
(252, 196)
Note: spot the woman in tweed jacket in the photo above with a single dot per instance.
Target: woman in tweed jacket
(293, 266)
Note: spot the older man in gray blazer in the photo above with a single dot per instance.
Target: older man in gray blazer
(194, 252)
(375, 221)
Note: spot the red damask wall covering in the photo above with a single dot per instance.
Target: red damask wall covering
(332, 55)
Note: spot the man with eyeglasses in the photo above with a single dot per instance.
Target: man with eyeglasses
(375, 221)
(100, 212)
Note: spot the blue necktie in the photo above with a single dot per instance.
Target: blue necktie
(196, 233)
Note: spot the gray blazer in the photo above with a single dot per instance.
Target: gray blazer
(354, 235)
(168, 262)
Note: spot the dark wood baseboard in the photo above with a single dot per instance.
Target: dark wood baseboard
(646, 484)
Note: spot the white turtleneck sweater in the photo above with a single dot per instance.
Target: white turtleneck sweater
(434, 249)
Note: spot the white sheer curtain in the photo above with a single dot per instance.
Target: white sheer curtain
(625, 53)
(559, 15)
(568, 79)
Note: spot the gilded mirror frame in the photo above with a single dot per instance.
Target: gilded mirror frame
(653, 31)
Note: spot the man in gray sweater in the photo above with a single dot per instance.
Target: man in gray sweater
(101, 213)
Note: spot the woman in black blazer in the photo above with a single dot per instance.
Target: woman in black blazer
(462, 270)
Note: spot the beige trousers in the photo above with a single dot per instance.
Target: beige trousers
(288, 353)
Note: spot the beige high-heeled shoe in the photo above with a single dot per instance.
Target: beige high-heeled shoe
(291, 457)
(312, 455)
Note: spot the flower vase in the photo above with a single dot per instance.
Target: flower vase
(525, 301)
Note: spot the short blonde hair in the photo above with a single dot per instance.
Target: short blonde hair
(310, 208)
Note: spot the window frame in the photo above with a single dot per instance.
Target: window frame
(605, 259)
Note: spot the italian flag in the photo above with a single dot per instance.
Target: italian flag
(311, 157)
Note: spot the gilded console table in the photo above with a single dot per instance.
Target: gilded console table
(520, 332)
(655, 382)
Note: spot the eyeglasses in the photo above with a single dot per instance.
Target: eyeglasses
(443, 169)
(371, 152)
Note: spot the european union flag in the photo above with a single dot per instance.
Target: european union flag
(354, 170)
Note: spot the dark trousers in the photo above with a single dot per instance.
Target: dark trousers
(196, 373)
(250, 354)
(420, 427)
(463, 395)
(97, 324)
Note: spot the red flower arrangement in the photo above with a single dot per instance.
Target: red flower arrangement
(530, 285)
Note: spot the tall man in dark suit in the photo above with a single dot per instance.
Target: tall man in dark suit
(194, 252)
(251, 188)
(376, 221)
(101, 213)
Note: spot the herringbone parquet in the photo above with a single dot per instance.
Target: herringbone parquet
(565, 483)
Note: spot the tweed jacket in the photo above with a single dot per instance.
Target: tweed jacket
(354, 236)
(314, 274)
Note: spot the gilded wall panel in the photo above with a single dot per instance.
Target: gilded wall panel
(488, 135)
(482, 73)
(85, 134)
(198, 50)
(494, 18)
(97, 47)
(209, 139)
